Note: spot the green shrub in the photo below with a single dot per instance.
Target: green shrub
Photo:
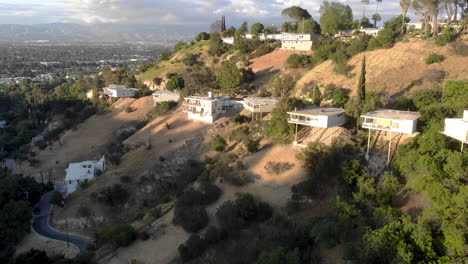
(129, 109)
(175, 83)
(189, 60)
(192, 248)
(120, 235)
(219, 143)
(191, 218)
(164, 107)
(434, 58)
(252, 145)
(240, 119)
(338, 95)
(111, 196)
(342, 68)
(277, 168)
(263, 49)
(299, 61)
(447, 36)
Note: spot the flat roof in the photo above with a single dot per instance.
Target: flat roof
(81, 171)
(318, 111)
(205, 97)
(165, 92)
(261, 100)
(392, 114)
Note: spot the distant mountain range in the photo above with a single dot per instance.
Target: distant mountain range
(162, 34)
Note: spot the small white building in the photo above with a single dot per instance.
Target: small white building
(229, 40)
(260, 104)
(457, 128)
(324, 117)
(391, 120)
(370, 31)
(81, 172)
(119, 91)
(165, 96)
(207, 108)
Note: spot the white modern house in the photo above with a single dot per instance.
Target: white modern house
(324, 117)
(420, 24)
(392, 121)
(260, 104)
(318, 121)
(457, 128)
(370, 31)
(301, 42)
(207, 108)
(165, 96)
(81, 172)
(119, 91)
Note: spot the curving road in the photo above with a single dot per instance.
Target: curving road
(40, 224)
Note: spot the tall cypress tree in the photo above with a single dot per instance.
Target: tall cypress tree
(361, 92)
(316, 95)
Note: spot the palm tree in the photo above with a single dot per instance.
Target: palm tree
(405, 5)
(365, 2)
(376, 15)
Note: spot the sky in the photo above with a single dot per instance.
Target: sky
(161, 12)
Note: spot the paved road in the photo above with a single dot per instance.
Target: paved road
(10, 164)
(41, 225)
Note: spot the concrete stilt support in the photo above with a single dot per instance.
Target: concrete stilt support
(389, 147)
(368, 145)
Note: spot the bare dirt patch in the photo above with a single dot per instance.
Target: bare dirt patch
(50, 246)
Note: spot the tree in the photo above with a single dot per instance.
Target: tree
(376, 12)
(288, 27)
(219, 143)
(429, 9)
(229, 77)
(244, 28)
(308, 26)
(376, 17)
(404, 5)
(316, 95)
(335, 16)
(270, 30)
(202, 36)
(361, 92)
(57, 199)
(256, 29)
(119, 235)
(365, 2)
(175, 83)
(296, 14)
(215, 45)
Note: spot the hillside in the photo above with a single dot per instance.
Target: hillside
(395, 70)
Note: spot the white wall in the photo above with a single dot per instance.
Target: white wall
(456, 128)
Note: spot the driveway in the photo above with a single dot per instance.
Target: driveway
(40, 223)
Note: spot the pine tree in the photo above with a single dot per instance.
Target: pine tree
(361, 92)
(316, 95)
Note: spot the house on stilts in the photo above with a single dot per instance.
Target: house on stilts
(395, 122)
(318, 121)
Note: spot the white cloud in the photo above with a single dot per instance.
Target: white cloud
(24, 13)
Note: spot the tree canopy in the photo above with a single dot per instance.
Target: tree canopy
(335, 16)
(296, 14)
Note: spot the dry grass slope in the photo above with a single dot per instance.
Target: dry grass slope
(393, 70)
